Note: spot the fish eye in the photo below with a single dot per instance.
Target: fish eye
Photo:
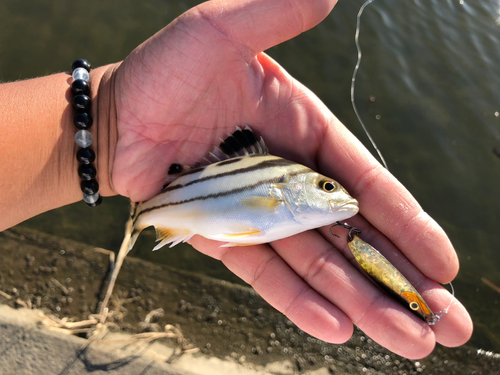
(414, 305)
(327, 186)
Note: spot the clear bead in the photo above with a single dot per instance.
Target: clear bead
(91, 199)
(81, 73)
(83, 138)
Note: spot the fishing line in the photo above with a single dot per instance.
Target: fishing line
(353, 82)
(440, 314)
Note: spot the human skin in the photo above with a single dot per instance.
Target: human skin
(171, 100)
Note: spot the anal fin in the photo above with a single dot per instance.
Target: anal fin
(171, 235)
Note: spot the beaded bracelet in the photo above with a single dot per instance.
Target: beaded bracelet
(83, 138)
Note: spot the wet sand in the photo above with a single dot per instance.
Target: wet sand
(230, 324)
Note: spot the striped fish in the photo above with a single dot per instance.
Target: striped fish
(242, 196)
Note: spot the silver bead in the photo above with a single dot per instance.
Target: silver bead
(83, 138)
(81, 73)
(91, 199)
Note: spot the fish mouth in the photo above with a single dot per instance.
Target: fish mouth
(350, 205)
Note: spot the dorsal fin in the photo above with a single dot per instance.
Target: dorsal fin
(240, 143)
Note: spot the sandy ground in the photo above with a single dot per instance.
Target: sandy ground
(233, 329)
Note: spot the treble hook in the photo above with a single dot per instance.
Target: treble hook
(350, 237)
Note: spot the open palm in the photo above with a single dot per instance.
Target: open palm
(205, 73)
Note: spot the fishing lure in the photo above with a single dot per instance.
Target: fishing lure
(387, 276)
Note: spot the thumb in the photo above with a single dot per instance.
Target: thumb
(261, 24)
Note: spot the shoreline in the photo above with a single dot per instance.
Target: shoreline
(228, 323)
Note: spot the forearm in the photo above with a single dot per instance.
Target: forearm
(37, 147)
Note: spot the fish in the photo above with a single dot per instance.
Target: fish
(389, 278)
(241, 195)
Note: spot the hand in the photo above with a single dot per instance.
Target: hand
(205, 73)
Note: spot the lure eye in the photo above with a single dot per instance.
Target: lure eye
(327, 186)
(414, 305)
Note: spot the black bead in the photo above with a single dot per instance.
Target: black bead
(83, 121)
(79, 86)
(81, 103)
(87, 172)
(96, 203)
(89, 187)
(85, 156)
(81, 63)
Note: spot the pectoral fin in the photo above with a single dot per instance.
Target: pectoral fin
(263, 203)
(171, 235)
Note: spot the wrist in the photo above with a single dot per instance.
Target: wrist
(104, 131)
(38, 149)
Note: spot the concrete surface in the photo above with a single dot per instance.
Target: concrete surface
(28, 348)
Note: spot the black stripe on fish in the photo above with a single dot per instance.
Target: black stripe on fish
(227, 152)
(228, 161)
(263, 165)
(274, 180)
(170, 188)
(193, 171)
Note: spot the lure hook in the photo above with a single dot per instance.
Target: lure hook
(351, 229)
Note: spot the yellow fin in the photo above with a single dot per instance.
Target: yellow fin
(171, 235)
(231, 244)
(266, 203)
(242, 234)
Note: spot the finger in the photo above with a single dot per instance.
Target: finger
(455, 327)
(379, 316)
(271, 277)
(384, 201)
(261, 24)
(388, 205)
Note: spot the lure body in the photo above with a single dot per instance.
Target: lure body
(389, 278)
(246, 196)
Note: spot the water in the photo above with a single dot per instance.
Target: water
(431, 65)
